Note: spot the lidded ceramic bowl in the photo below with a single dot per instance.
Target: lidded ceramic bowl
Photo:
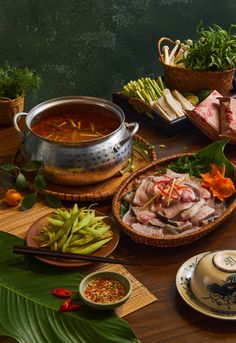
(213, 281)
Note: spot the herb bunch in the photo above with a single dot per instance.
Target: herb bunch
(16, 82)
(193, 165)
(214, 50)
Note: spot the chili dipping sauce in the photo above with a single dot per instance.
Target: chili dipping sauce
(105, 290)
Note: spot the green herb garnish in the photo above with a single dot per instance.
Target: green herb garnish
(124, 207)
(193, 165)
(201, 161)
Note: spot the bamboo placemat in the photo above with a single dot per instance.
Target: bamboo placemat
(140, 296)
(17, 222)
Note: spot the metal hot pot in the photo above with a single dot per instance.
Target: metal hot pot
(77, 163)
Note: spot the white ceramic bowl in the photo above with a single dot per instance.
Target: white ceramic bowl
(105, 275)
(213, 281)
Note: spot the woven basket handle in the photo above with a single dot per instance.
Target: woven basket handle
(158, 46)
(4, 98)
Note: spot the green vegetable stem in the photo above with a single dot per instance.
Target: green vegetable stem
(77, 230)
(145, 88)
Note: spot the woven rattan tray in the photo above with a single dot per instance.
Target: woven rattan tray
(166, 240)
(99, 191)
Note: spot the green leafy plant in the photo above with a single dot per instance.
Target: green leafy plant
(25, 297)
(214, 50)
(16, 82)
(18, 176)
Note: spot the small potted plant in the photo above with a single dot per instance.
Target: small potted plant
(14, 84)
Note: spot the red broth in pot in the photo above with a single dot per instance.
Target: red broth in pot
(75, 127)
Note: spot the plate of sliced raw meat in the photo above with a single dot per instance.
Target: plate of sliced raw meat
(161, 207)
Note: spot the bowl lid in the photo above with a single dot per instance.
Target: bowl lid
(225, 260)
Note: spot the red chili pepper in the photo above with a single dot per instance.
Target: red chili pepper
(160, 182)
(61, 292)
(66, 305)
(166, 183)
(74, 307)
(175, 190)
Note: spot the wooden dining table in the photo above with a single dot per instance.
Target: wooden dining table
(169, 319)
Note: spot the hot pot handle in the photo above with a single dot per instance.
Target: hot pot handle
(131, 134)
(15, 121)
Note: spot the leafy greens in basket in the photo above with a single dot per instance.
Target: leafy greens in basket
(214, 50)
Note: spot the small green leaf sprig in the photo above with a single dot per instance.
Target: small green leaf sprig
(19, 179)
(141, 150)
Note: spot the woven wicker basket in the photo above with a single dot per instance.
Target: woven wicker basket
(187, 80)
(8, 108)
(166, 240)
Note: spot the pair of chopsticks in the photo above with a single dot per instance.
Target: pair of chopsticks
(34, 251)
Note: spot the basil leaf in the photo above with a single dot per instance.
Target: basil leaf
(39, 182)
(31, 166)
(9, 167)
(29, 201)
(53, 201)
(20, 183)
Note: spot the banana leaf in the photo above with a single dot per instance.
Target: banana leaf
(29, 313)
(214, 153)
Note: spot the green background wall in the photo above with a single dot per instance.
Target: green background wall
(85, 47)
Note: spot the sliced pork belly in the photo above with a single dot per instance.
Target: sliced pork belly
(147, 230)
(175, 175)
(129, 197)
(173, 210)
(129, 217)
(143, 215)
(188, 195)
(203, 213)
(219, 208)
(157, 222)
(192, 210)
(200, 191)
(175, 230)
(141, 196)
(158, 211)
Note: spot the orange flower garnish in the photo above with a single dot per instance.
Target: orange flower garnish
(222, 187)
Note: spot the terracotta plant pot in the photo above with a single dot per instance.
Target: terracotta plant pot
(8, 108)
